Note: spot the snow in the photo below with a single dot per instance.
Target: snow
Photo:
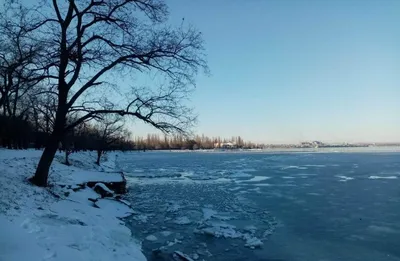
(119, 209)
(225, 230)
(258, 178)
(208, 213)
(36, 225)
(166, 233)
(143, 218)
(182, 220)
(172, 243)
(151, 238)
(252, 242)
(382, 177)
(83, 195)
(104, 187)
(11, 248)
(344, 178)
(293, 167)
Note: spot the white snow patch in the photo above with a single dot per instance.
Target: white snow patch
(250, 228)
(208, 213)
(151, 238)
(166, 233)
(171, 243)
(294, 167)
(383, 229)
(83, 195)
(224, 230)
(223, 180)
(258, 178)
(344, 178)
(252, 242)
(104, 187)
(119, 209)
(263, 185)
(382, 177)
(143, 218)
(182, 220)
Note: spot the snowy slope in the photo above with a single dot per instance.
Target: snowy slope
(36, 225)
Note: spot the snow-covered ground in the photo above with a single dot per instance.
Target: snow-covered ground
(60, 222)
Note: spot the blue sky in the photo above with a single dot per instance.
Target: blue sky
(285, 71)
(289, 71)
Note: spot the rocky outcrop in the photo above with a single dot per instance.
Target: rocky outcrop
(119, 187)
(103, 190)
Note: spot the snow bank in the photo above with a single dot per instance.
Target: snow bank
(119, 209)
(36, 225)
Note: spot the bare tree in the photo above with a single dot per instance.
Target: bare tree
(87, 42)
(19, 73)
(109, 131)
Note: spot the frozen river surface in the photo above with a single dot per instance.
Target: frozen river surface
(263, 206)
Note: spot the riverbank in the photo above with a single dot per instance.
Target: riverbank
(66, 221)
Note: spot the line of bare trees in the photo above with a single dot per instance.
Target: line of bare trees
(178, 142)
(69, 69)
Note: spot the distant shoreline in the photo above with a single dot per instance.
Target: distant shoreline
(375, 149)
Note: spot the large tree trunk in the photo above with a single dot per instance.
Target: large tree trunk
(99, 152)
(42, 171)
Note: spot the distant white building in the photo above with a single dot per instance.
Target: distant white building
(225, 145)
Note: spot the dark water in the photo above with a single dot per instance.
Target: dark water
(301, 206)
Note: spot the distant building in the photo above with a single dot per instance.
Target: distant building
(225, 145)
(317, 144)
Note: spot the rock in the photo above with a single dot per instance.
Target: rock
(118, 187)
(103, 190)
(92, 199)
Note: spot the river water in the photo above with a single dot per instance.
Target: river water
(265, 206)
